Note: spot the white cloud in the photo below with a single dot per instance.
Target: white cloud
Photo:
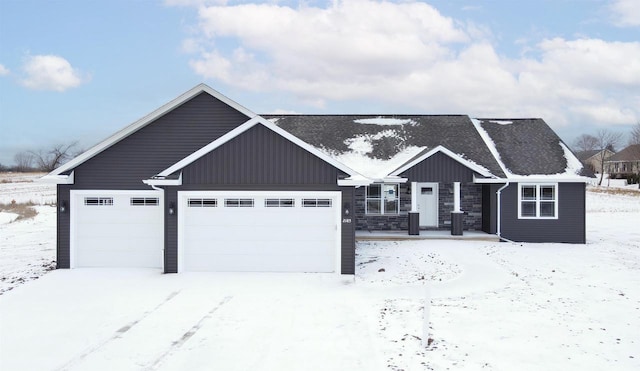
(409, 55)
(51, 72)
(625, 13)
(4, 70)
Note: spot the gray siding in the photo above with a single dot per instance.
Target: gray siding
(439, 168)
(260, 159)
(158, 145)
(569, 227)
(260, 156)
(63, 223)
(489, 207)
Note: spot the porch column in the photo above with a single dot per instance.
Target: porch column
(456, 215)
(414, 216)
(456, 197)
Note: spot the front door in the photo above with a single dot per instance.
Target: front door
(428, 204)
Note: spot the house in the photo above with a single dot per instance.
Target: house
(625, 164)
(593, 159)
(204, 184)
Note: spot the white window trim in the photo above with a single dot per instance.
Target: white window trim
(383, 211)
(537, 201)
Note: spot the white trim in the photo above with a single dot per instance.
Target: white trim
(499, 210)
(414, 197)
(73, 209)
(57, 179)
(246, 126)
(538, 200)
(354, 182)
(532, 179)
(475, 167)
(456, 197)
(125, 132)
(163, 182)
(183, 197)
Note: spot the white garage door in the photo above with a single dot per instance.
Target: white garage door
(117, 229)
(259, 231)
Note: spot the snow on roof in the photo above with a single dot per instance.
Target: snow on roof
(375, 168)
(385, 121)
(491, 146)
(502, 122)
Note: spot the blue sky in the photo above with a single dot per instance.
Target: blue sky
(80, 70)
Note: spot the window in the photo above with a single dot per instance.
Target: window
(382, 199)
(538, 201)
(98, 201)
(316, 202)
(203, 202)
(279, 202)
(144, 201)
(238, 202)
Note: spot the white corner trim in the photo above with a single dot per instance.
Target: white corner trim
(135, 126)
(478, 169)
(57, 179)
(246, 126)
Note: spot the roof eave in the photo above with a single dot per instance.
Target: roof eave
(57, 179)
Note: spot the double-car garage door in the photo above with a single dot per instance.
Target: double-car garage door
(265, 231)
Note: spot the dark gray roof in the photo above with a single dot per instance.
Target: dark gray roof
(527, 146)
(631, 153)
(333, 134)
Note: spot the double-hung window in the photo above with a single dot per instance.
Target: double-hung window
(382, 199)
(538, 201)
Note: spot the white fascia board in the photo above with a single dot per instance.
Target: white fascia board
(57, 179)
(354, 182)
(163, 182)
(246, 126)
(478, 169)
(533, 179)
(132, 128)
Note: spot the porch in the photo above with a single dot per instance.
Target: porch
(424, 235)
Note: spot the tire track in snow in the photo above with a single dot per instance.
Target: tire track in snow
(118, 334)
(187, 335)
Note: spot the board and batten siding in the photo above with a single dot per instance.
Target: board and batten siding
(568, 228)
(146, 152)
(158, 145)
(260, 156)
(439, 168)
(261, 160)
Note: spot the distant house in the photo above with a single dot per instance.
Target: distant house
(205, 184)
(593, 159)
(625, 164)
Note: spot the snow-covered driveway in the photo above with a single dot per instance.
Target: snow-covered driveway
(93, 319)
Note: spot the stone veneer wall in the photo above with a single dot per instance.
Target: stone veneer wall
(470, 203)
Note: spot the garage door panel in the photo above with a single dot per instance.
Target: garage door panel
(259, 238)
(115, 233)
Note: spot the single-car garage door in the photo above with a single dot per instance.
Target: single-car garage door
(259, 231)
(117, 229)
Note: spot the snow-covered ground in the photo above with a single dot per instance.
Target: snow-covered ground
(495, 306)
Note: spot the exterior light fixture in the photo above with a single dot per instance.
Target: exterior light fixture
(172, 208)
(63, 207)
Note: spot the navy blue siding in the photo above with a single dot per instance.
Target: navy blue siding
(569, 227)
(159, 145)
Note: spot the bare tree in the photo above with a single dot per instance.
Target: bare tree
(49, 160)
(23, 161)
(606, 140)
(634, 136)
(585, 142)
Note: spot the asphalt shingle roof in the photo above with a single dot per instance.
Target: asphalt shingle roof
(631, 153)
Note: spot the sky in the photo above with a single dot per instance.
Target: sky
(81, 70)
